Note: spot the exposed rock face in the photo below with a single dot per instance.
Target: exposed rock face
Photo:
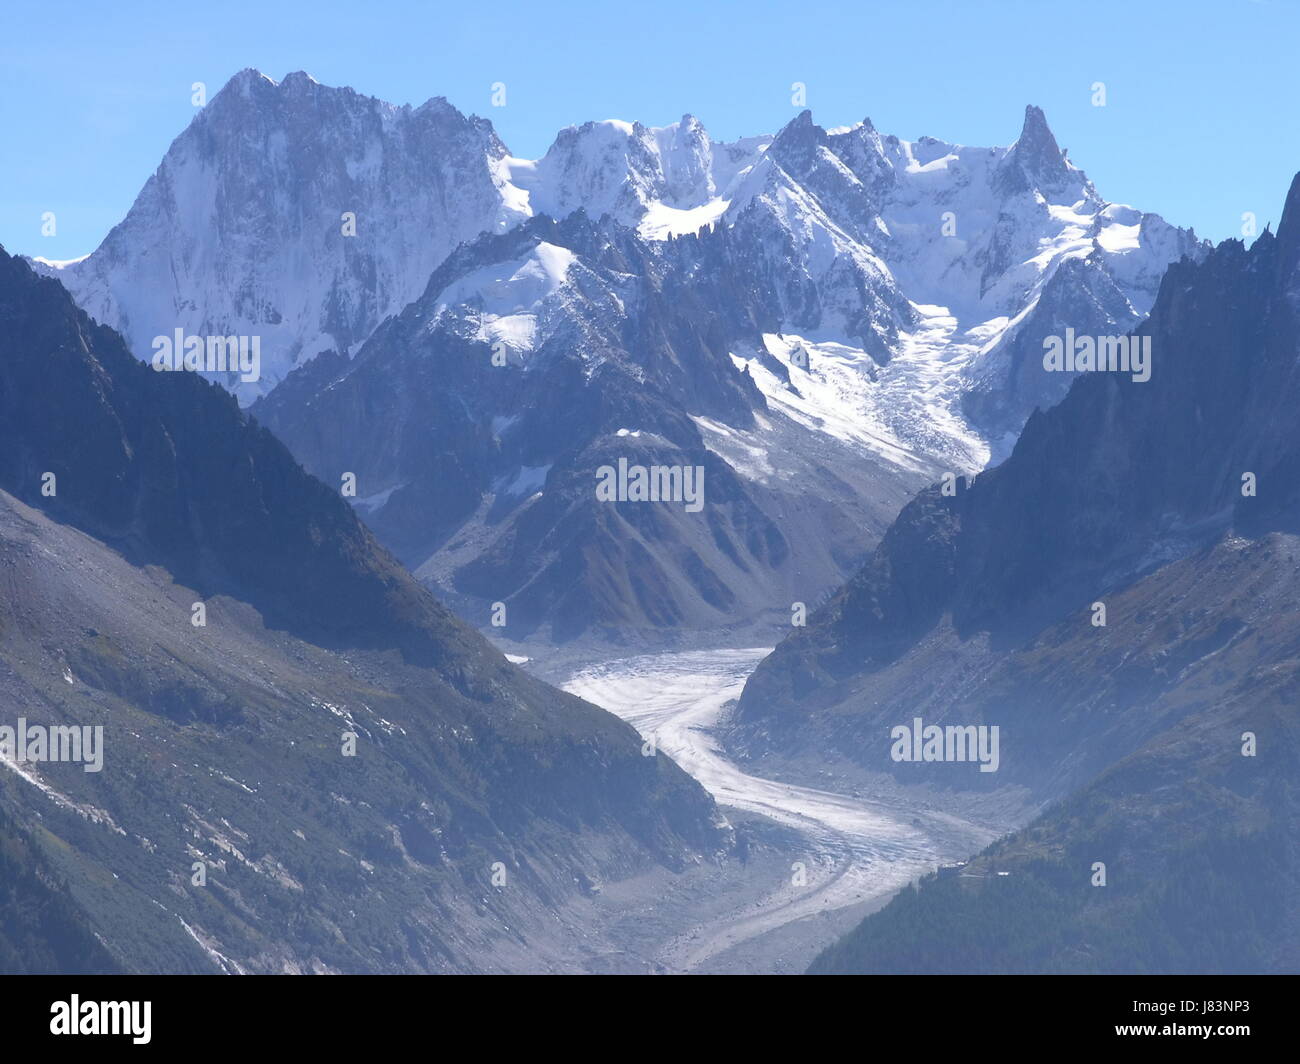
(866, 314)
(225, 743)
(978, 607)
(1119, 599)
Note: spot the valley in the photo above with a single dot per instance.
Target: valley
(839, 855)
(393, 676)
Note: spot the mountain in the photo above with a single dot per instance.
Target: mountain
(823, 321)
(1164, 727)
(127, 497)
(611, 349)
(240, 231)
(1199, 849)
(665, 181)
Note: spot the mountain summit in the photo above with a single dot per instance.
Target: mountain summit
(822, 320)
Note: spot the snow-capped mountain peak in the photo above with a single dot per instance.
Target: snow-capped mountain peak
(298, 213)
(1036, 162)
(306, 214)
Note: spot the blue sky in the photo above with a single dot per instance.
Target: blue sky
(1201, 123)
